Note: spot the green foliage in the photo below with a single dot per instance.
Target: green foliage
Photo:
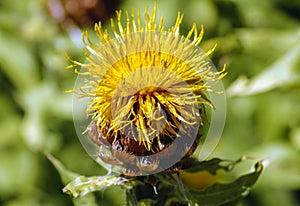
(140, 190)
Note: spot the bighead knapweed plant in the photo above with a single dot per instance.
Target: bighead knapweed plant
(148, 105)
(147, 94)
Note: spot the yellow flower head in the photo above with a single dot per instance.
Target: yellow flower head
(147, 91)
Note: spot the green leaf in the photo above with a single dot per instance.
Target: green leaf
(65, 175)
(68, 176)
(220, 193)
(83, 185)
(280, 73)
(213, 165)
(17, 61)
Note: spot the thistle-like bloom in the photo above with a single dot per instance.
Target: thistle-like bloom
(147, 92)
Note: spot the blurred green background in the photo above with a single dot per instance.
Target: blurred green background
(259, 40)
